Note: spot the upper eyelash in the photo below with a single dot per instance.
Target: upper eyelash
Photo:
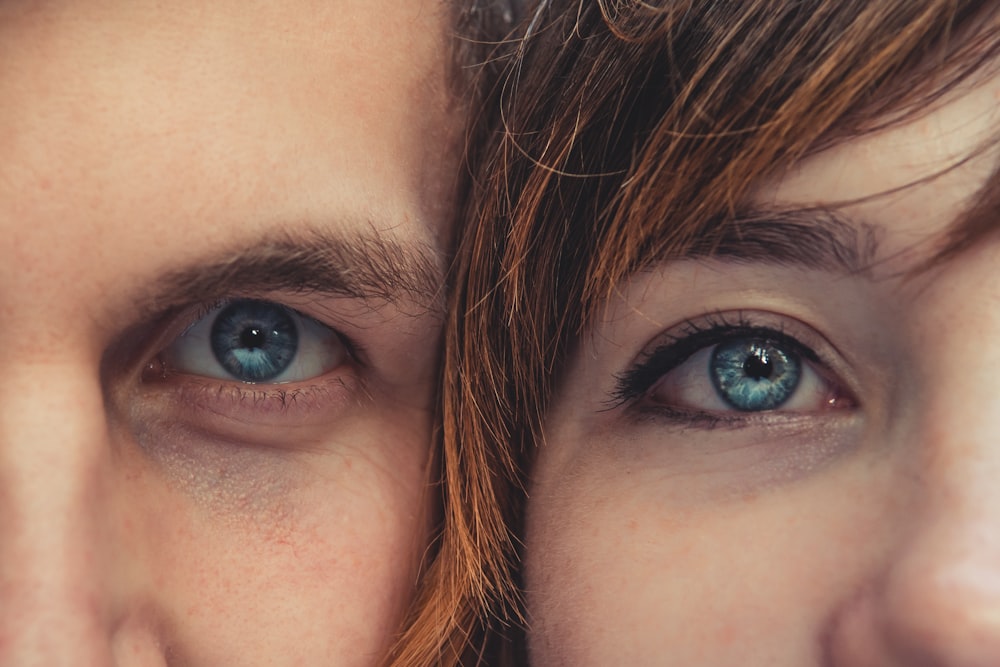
(154, 368)
(355, 351)
(695, 335)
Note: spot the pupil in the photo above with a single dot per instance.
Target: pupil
(252, 338)
(255, 341)
(755, 375)
(758, 365)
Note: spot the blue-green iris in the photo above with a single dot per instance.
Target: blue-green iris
(753, 375)
(254, 340)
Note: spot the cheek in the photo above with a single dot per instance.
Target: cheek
(319, 571)
(617, 574)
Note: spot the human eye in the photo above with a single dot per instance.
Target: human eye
(254, 341)
(249, 362)
(732, 368)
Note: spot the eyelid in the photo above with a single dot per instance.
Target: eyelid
(678, 343)
(223, 408)
(135, 351)
(307, 348)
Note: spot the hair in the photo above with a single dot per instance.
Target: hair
(445, 618)
(626, 132)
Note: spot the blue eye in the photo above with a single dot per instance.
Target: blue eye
(253, 341)
(753, 375)
(734, 368)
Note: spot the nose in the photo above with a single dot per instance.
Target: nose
(937, 602)
(934, 599)
(68, 581)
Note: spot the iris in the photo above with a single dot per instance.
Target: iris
(254, 340)
(753, 374)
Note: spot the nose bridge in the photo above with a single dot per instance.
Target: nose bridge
(938, 600)
(954, 373)
(956, 362)
(54, 463)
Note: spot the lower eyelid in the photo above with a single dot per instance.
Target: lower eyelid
(223, 406)
(159, 377)
(684, 419)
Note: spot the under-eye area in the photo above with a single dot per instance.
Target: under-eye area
(732, 368)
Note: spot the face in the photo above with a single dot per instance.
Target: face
(789, 457)
(223, 227)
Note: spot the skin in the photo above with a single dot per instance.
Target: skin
(861, 532)
(152, 512)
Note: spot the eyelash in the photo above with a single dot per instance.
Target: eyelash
(205, 394)
(202, 392)
(692, 337)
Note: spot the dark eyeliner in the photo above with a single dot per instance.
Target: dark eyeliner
(695, 336)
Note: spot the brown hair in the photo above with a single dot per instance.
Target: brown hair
(443, 621)
(630, 131)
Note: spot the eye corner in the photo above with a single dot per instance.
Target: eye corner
(132, 352)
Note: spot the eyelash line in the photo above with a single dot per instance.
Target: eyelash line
(195, 312)
(708, 421)
(266, 398)
(694, 336)
(212, 395)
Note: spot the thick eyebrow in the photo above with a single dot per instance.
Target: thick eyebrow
(816, 238)
(364, 265)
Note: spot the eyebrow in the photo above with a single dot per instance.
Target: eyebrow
(815, 237)
(365, 265)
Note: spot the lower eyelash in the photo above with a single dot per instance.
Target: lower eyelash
(703, 421)
(247, 402)
(708, 421)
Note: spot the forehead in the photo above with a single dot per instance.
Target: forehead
(129, 127)
(909, 182)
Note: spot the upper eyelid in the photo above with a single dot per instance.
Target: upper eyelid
(189, 316)
(630, 386)
(139, 346)
(355, 350)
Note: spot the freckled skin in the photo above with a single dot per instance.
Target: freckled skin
(139, 137)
